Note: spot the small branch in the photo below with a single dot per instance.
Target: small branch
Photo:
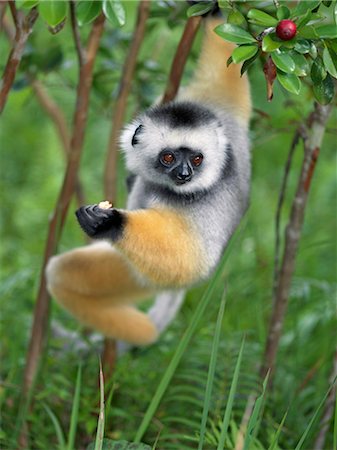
(121, 102)
(315, 132)
(328, 409)
(76, 34)
(24, 26)
(299, 132)
(41, 312)
(179, 61)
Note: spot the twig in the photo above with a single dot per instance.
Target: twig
(41, 312)
(328, 409)
(180, 58)
(76, 34)
(298, 134)
(24, 26)
(315, 133)
(121, 102)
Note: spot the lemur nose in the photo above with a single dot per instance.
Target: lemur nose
(184, 176)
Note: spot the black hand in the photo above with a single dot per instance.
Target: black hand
(100, 223)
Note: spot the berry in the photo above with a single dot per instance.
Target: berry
(286, 30)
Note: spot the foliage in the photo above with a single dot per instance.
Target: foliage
(31, 169)
(310, 57)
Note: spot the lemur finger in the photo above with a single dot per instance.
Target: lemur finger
(99, 223)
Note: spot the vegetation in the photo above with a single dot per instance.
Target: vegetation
(191, 388)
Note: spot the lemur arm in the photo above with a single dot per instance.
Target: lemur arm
(159, 243)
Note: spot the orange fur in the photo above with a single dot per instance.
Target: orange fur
(163, 247)
(216, 83)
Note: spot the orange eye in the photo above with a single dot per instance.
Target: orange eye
(167, 158)
(197, 160)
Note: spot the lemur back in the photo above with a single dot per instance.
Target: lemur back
(189, 161)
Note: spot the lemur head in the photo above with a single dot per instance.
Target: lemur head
(181, 145)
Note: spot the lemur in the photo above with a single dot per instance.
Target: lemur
(190, 175)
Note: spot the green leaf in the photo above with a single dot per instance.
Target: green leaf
(313, 51)
(290, 82)
(248, 63)
(114, 11)
(269, 45)
(283, 61)
(224, 4)
(301, 64)
(302, 46)
(303, 6)
(308, 32)
(233, 33)
(282, 12)
(304, 19)
(324, 91)
(318, 72)
(199, 9)
(87, 11)
(261, 18)
(330, 62)
(53, 11)
(26, 4)
(236, 18)
(244, 52)
(326, 31)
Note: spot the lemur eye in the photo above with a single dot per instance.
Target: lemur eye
(197, 160)
(167, 158)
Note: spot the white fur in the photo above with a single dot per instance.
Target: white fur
(154, 137)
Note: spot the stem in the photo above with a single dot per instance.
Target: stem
(41, 312)
(24, 26)
(180, 58)
(315, 132)
(121, 102)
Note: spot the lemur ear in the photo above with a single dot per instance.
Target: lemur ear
(136, 133)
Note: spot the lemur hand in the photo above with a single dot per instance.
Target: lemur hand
(100, 223)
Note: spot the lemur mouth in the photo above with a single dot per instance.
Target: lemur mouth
(181, 182)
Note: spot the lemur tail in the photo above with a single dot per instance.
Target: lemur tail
(216, 83)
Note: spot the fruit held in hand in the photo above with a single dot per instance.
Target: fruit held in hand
(286, 30)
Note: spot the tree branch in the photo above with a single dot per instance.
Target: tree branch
(121, 102)
(24, 26)
(180, 58)
(315, 133)
(76, 34)
(41, 312)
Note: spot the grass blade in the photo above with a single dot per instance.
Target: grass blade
(255, 417)
(306, 431)
(274, 442)
(74, 411)
(230, 401)
(335, 428)
(198, 314)
(100, 424)
(211, 371)
(57, 426)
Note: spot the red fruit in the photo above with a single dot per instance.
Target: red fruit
(286, 30)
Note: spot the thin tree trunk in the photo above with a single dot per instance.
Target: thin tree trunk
(110, 175)
(315, 129)
(41, 312)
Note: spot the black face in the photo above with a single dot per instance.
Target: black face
(179, 164)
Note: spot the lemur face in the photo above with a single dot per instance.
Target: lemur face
(179, 145)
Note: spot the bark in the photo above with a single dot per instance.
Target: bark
(315, 129)
(24, 26)
(41, 312)
(110, 179)
(179, 61)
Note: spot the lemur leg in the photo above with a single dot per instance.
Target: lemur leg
(95, 270)
(160, 243)
(119, 321)
(165, 308)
